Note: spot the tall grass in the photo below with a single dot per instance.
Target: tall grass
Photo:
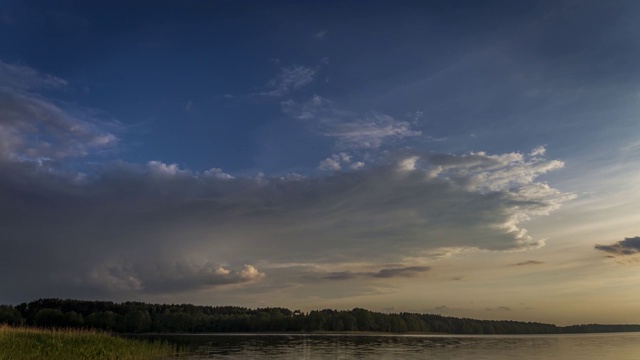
(27, 343)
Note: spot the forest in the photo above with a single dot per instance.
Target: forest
(138, 317)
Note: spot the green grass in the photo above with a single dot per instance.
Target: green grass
(27, 343)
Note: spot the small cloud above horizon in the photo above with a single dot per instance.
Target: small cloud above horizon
(626, 247)
(409, 271)
(529, 262)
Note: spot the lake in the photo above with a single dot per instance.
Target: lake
(619, 346)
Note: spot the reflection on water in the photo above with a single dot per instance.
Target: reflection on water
(405, 347)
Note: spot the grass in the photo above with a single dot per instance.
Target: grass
(28, 343)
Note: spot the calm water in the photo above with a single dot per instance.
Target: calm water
(621, 346)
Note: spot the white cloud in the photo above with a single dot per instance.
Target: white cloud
(217, 173)
(160, 168)
(408, 164)
(329, 164)
(538, 151)
(336, 161)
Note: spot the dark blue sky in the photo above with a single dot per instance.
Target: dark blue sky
(493, 69)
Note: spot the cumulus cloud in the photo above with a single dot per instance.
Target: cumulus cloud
(628, 246)
(329, 164)
(409, 271)
(107, 229)
(337, 161)
(34, 126)
(350, 130)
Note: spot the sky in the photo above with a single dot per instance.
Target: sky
(470, 159)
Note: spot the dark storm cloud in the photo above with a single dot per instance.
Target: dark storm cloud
(68, 233)
(119, 228)
(628, 246)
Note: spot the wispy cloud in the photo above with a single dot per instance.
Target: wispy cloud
(320, 34)
(349, 129)
(22, 77)
(34, 126)
(290, 78)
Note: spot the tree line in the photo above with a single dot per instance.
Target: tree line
(139, 317)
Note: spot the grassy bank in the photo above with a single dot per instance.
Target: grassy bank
(25, 343)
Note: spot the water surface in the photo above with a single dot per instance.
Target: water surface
(619, 346)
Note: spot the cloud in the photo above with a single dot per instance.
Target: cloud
(22, 77)
(529, 262)
(538, 151)
(628, 246)
(350, 130)
(409, 271)
(290, 78)
(499, 308)
(336, 162)
(170, 276)
(36, 127)
(370, 131)
(329, 164)
(122, 225)
(320, 34)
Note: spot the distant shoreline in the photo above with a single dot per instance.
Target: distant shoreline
(183, 319)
